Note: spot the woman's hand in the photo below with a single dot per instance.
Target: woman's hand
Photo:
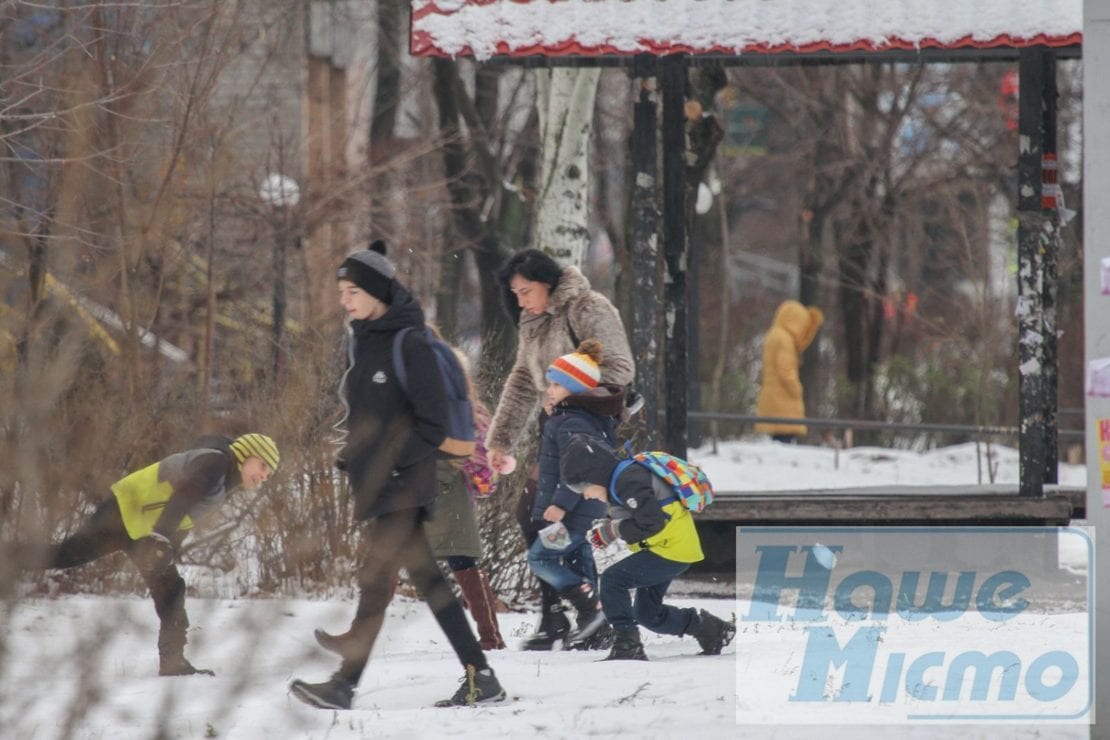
(554, 513)
(501, 461)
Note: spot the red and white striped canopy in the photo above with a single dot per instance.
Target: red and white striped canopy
(591, 28)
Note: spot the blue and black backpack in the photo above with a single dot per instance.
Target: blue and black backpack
(460, 411)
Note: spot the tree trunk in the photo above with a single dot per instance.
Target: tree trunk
(565, 103)
(469, 192)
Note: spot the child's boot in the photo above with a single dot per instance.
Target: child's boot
(590, 617)
(554, 624)
(712, 633)
(627, 645)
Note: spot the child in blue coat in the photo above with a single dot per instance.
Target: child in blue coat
(576, 404)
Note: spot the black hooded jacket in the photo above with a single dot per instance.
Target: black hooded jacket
(393, 436)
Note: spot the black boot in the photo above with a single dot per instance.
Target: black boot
(554, 626)
(171, 652)
(712, 633)
(590, 617)
(335, 693)
(601, 640)
(627, 645)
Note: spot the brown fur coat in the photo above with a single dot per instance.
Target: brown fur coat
(546, 336)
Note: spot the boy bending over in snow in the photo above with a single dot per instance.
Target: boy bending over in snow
(151, 512)
(664, 544)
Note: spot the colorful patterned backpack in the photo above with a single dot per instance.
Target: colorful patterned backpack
(690, 483)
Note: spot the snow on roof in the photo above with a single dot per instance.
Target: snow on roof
(517, 28)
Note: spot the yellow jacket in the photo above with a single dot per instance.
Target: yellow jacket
(780, 393)
(649, 517)
(169, 495)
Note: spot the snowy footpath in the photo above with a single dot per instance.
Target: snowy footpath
(85, 667)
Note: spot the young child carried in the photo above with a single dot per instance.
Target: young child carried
(659, 530)
(577, 404)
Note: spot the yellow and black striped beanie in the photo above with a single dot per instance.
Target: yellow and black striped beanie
(256, 445)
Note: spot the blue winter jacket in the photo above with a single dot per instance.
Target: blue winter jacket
(595, 413)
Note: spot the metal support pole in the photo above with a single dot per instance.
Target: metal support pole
(673, 84)
(1030, 309)
(645, 246)
(1050, 238)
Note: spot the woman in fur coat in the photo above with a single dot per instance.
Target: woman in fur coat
(554, 309)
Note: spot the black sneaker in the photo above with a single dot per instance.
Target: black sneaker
(713, 633)
(335, 693)
(478, 687)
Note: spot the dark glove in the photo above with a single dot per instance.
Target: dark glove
(603, 534)
(153, 554)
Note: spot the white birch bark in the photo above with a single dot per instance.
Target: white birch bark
(565, 104)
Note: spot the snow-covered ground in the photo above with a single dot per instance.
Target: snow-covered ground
(85, 666)
(772, 466)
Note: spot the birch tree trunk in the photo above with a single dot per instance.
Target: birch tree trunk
(565, 104)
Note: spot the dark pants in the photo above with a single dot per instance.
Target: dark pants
(651, 576)
(397, 540)
(104, 533)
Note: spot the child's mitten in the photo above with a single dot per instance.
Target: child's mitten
(603, 534)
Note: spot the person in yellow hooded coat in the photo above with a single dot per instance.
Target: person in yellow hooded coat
(151, 512)
(780, 393)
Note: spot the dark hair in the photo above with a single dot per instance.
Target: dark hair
(530, 264)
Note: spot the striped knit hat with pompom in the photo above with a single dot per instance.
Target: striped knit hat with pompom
(578, 372)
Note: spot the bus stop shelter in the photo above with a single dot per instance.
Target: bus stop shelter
(659, 39)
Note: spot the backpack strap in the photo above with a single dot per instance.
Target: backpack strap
(399, 359)
(570, 330)
(621, 467)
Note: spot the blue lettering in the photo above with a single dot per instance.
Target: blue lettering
(916, 685)
(1069, 674)
(823, 654)
(890, 680)
(999, 588)
(933, 605)
(882, 591)
(983, 666)
(771, 580)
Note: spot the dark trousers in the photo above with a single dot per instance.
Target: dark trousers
(397, 540)
(651, 576)
(104, 533)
